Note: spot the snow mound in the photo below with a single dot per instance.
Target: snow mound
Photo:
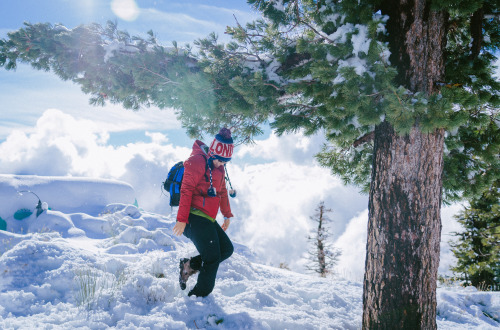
(468, 308)
(65, 194)
(118, 268)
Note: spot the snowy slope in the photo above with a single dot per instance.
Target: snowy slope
(118, 268)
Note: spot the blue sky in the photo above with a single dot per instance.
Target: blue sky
(27, 93)
(171, 19)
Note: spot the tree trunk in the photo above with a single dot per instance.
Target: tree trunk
(404, 231)
(404, 228)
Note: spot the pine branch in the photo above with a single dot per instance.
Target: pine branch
(303, 21)
(167, 80)
(368, 137)
(272, 85)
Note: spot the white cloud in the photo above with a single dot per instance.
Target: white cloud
(186, 22)
(43, 90)
(290, 147)
(274, 203)
(61, 144)
(274, 200)
(450, 225)
(179, 20)
(243, 16)
(179, 26)
(114, 118)
(353, 243)
(351, 263)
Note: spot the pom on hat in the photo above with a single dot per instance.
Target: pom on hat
(225, 133)
(222, 146)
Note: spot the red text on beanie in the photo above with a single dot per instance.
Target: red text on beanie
(222, 146)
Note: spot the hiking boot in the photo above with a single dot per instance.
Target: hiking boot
(185, 272)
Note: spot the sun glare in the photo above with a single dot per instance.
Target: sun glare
(125, 9)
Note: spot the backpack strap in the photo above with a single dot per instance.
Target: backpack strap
(206, 168)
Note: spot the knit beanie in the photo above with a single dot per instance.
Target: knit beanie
(222, 146)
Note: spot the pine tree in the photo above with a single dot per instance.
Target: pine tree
(478, 249)
(322, 256)
(403, 91)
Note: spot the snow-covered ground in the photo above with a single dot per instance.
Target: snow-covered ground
(105, 263)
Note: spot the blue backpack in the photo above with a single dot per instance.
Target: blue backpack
(173, 183)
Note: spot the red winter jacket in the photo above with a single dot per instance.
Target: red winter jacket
(194, 187)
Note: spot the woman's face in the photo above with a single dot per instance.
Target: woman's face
(218, 163)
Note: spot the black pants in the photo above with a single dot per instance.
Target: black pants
(214, 247)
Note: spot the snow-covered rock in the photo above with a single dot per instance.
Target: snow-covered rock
(65, 194)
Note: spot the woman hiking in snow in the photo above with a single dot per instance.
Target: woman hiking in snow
(203, 190)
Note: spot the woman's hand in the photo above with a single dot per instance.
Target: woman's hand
(226, 223)
(179, 228)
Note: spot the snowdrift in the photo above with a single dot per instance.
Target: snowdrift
(118, 268)
(65, 194)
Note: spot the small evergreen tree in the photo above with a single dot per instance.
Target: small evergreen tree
(284, 265)
(478, 246)
(322, 255)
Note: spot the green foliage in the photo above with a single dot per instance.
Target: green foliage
(350, 108)
(349, 164)
(113, 67)
(310, 66)
(214, 320)
(477, 248)
(473, 145)
(471, 160)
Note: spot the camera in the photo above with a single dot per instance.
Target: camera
(211, 192)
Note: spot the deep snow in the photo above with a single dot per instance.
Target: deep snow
(105, 263)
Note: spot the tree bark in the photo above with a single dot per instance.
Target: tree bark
(404, 228)
(476, 27)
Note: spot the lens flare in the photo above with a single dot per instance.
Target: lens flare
(125, 9)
